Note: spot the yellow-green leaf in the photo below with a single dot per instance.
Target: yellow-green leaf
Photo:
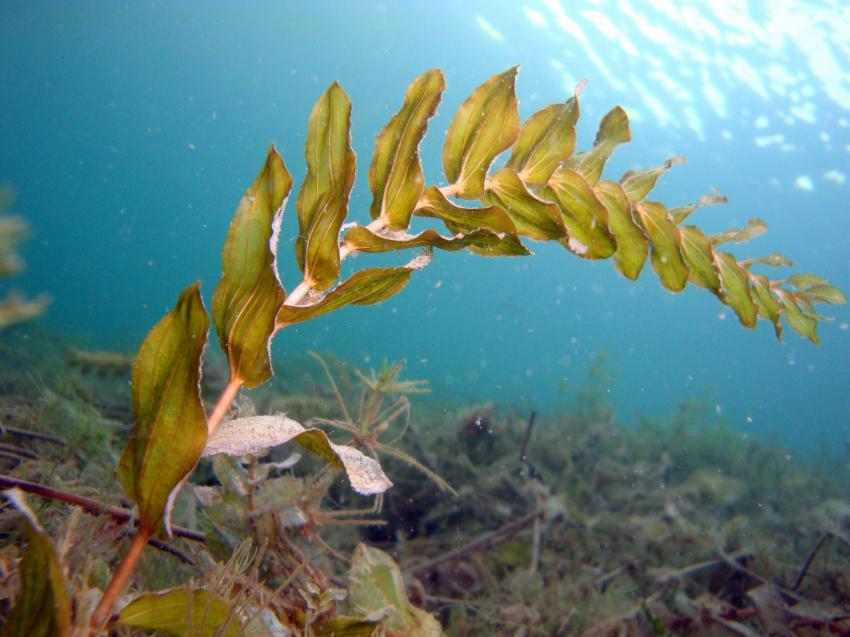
(395, 176)
(43, 608)
(170, 428)
(665, 240)
(753, 229)
(613, 131)
(637, 184)
(322, 203)
(366, 287)
(632, 244)
(768, 307)
(486, 124)
(255, 434)
(804, 280)
(249, 294)
(532, 217)
(545, 140)
(696, 249)
(183, 612)
(681, 213)
(377, 584)
(585, 217)
(342, 626)
(736, 288)
(459, 219)
(362, 239)
(774, 260)
(824, 293)
(805, 325)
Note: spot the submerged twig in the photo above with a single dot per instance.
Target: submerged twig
(88, 505)
(807, 564)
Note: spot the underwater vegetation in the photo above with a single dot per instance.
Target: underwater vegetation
(544, 192)
(14, 308)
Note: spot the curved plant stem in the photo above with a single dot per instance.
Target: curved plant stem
(224, 402)
(119, 579)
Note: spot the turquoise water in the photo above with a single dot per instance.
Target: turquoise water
(130, 131)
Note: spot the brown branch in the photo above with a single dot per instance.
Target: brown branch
(481, 543)
(805, 569)
(87, 504)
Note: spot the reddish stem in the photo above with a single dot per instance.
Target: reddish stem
(119, 580)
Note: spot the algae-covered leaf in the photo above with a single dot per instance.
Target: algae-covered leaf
(613, 131)
(632, 244)
(532, 216)
(681, 213)
(486, 124)
(735, 290)
(768, 307)
(43, 608)
(637, 184)
(170, 428)
(377, 585)
(803, 280)
(696, 249)
(800, 321)
(249, 294)
(256, 434)
(753, 229)
(665, 240)
(395, 176)
(366, 287)
(322, 203)
(183, 612)
(585, 216)
(362, 239)
(545, 140)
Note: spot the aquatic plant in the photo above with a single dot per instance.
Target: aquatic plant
(15, 308)
(544, 193)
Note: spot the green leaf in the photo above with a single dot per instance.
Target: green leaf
(43, 608)
(805, 325)
(322, 203)
(774, 261)
(256, 434)
(683, 212)
(486, 124)
(249, 294)
(665, 240)
(613, 131)
(170, 429)
(632, 244)
(545, 140)
(637, 184)
(753, 229)
(824, 293)
(183, 612)
(736, 288)
(804, 280)
(377, 584)
(459, 219)
(585, 217)
(696, 249)
(395, 176)
(361, 239)
(366, 287)
(532, 217)
(768, 307)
